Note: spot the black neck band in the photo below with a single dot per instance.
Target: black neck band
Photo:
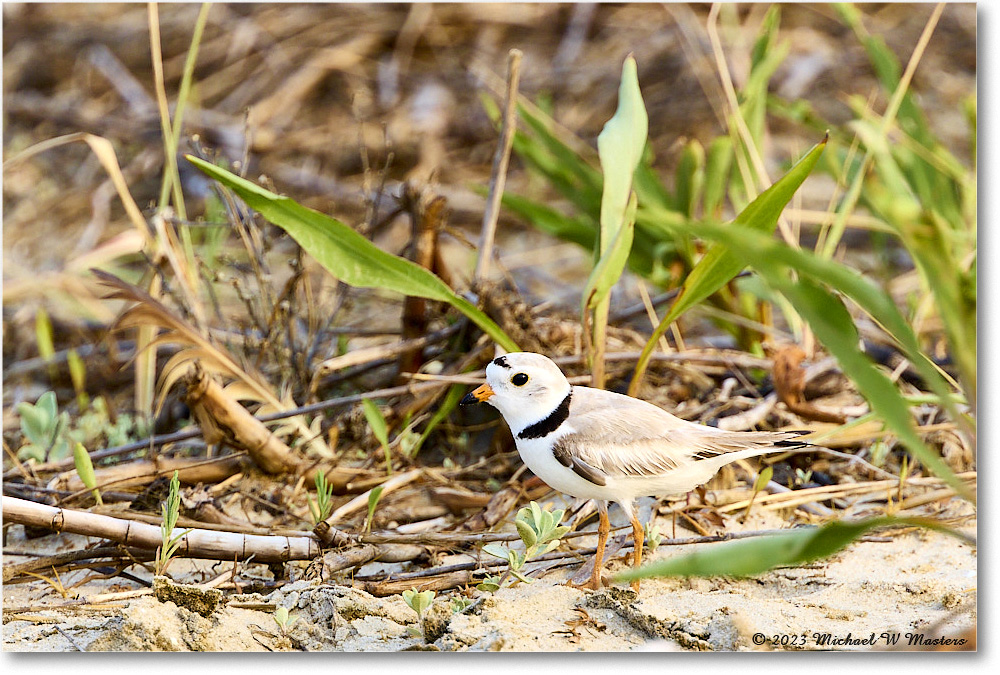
(550, 423)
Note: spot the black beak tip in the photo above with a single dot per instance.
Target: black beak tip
(468, 399)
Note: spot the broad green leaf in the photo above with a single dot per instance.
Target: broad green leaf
(527, 533)
(750, 557)
(496, 550)
(36, 425)
(620, 146)
(719, 265)
(47, 403)
(348, 255)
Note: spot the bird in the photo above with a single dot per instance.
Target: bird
(602, 445)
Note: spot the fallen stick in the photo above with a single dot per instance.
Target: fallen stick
(194, 543)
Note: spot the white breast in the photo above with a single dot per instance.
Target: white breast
(537, 455)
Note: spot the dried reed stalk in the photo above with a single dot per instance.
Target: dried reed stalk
(195, 543)
(222, 418)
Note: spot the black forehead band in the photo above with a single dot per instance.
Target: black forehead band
(501, 361)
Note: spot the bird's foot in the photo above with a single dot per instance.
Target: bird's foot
(591, 584)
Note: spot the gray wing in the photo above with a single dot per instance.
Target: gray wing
(619, 436)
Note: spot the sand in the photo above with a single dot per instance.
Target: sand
(912, 587)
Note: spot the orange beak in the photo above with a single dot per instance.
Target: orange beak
(479, 395)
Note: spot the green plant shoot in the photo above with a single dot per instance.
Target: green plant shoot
(620, 145)
(373, 498)
(85, 469)
(418, 601)
(78, 375)
(376, 420)
(171, 512)
(323, 506)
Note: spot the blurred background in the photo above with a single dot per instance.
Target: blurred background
(341, 106)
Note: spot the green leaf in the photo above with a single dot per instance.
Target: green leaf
(717, 165)
(690, 177)
(763, 478)
(755, 556)
(43, 335)
(346, 254)
(609, 268)
(496, 550)
(85, 469)
(527, 533)
(47, 402)
(620, 145)
(376, 421)
(451, 400)
(835, 328)
(373, 498)
(719, 265)
(36, 425)
(78, 374)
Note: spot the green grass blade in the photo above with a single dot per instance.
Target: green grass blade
(451, 399)
(717, 168)
(719, 265)
(750, 557)
(346, 254)
(689, 179)
(835, 328)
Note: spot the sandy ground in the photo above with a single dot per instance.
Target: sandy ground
(918, 583)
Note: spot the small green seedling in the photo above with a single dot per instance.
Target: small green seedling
(418, 601)
(460, 603)
(763, 478)
(491, 584)
(379, 427)
(282, 619)
(78, 375)
(539, 530)
(171, 512)
(373, 498)
(85, 469)
(44, 428)
(50, 435)
(653, 536)
(320, 509)
(43, 338)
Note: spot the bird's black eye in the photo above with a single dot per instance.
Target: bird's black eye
(519, 380)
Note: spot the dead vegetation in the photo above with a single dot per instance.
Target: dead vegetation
(259, 360)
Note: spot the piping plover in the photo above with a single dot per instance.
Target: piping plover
(606, 446)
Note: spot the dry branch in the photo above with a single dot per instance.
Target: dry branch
(222, 418)
(194, 544)
(143, 472)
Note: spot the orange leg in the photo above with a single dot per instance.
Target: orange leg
(638, 537)
(603, 529)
